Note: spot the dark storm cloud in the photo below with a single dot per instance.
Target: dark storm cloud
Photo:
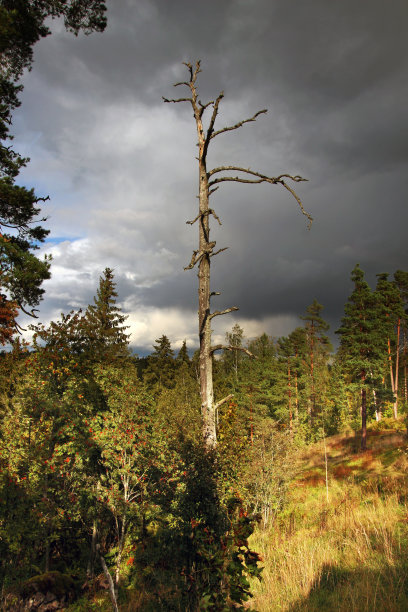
(120, 168)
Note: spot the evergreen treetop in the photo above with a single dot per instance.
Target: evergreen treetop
(105, 322)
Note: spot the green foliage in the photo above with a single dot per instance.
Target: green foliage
(105, 324)
(199, 549)
(159, 372)
(363, 340)
(233, 358)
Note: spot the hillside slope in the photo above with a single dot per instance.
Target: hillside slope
(341, 543)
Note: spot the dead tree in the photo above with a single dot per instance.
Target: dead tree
(209, 181)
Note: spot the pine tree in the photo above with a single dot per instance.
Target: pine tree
(262, 347)
(391, 313)
(361, 347)
(317, 351)
(105, 323)
(291, 351)
(182, 356)
(159, 373)
(401, 280)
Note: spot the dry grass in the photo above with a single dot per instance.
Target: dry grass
(349, 555)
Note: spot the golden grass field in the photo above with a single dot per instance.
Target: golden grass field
(344, 546)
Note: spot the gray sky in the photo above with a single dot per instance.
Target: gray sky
(119, 164)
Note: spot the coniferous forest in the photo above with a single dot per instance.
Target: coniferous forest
(264, 473)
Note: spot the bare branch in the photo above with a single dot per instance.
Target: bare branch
(228, 347)
(274, 179)
(179, 100)
(219, 251)
(238, 125)
(212, 120)
(30, 314)
(214, 293)
(224, 399)
(194, 220)
(195, 258)
(212, 191)
(198, 255)
(298, 200)
(210, 211)
(204, 106)
(197, 70)
(190, 68)
(214, 214)
(261, 178)
(217, 313)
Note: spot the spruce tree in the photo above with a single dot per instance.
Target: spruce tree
(159, 373)
(105, 324)
(362, 342)
(182, 356)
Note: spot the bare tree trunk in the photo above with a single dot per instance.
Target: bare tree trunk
(391, 373)
(121, 543)
(377, 404)
(108, 577)
(363, 419)
(405, 368)
(378, 414)
(208, 183)
(204, 319)
(396, 370)
(90, 572)
(296, 394)
(290, 399)
(325, 465)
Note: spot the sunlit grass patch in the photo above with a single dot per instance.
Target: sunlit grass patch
(349, 553)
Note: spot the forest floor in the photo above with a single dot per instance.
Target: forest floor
(341, 543)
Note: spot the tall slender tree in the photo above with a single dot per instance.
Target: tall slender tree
(316, 357)
(361, 345)
(391, 311)
(401, 280)
(232, 358)
(209, 181)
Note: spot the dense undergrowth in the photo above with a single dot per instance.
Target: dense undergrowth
(344, 547)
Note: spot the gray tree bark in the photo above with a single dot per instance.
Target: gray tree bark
(209, 181)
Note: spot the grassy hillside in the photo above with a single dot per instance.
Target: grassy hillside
(341, 543)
